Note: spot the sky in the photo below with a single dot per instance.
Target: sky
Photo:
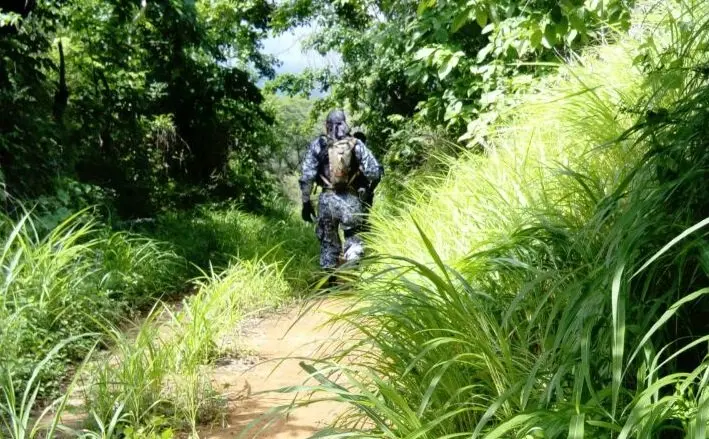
(289, 50)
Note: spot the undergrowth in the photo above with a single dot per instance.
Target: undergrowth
(556, 286)
(69, 282)
(161, 369)
(214, 236)
(85, 284)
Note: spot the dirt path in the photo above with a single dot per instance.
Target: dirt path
(273, 338)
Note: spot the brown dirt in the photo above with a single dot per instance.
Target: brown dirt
(271, 339)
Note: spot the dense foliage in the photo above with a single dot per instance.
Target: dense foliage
(80, 285)
(438, 66)
(550, 281)
(70, 282)
(555, 287)
(293, 130)
(152, 103)
(143, 108)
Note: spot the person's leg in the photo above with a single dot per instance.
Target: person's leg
(330, 245)
(354, 247)
(352, 221)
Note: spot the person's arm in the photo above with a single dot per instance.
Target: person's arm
(309, 170)
(308, 175)
(368, 165)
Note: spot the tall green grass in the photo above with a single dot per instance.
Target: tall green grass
(153, 379)
(214, 236)
(19, 417)
(555, 287)
(162, 370)
(530, 163)
(80, 277)
(70, 282)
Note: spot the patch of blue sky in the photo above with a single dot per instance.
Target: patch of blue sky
(294, 58)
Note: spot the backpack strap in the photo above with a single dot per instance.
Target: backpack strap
(356, 173)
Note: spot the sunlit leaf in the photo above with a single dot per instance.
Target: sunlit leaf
(445, 69)
(481, 17)
(571, 36)
(484, 52)
(459, 21)
(424, 53)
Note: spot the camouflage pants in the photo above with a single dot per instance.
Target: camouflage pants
(335, 211)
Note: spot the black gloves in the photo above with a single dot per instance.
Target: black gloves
(308, 212)
(366, 196)
(363, 194)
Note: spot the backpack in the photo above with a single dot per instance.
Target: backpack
(341, 160)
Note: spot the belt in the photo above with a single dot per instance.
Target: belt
(329, 187)
(347, 190)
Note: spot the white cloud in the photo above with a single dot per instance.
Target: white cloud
(288, 48)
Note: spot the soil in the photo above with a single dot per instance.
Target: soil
(276, 343)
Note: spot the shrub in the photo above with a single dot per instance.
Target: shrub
(162, 372)
(68, 282)
(215, 235)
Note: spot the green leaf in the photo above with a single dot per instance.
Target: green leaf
(510, 425)
(549, 38)
(424, 53)
(618, 314)
(562, 27)
(481, 17)
(672, 310)
(536, 39)
(459, 21)
(484, 52)
(571, 36)
(700, 422)
(453, 111)
(487, 29)
(576, 22)
(432, 250)
(424, 6)
(576, 426)
(448, 66)
(503, 428)
(670, 244)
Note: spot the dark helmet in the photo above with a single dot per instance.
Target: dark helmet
(336, 116)
(336, 124)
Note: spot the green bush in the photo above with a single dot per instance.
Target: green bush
(69, 282)
(215, 235)
(162, 371)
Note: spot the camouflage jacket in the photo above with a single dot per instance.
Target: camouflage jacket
(315, 166)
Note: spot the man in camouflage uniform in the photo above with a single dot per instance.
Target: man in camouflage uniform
(338, 208)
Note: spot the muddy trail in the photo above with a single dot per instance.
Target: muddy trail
(275, 344)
